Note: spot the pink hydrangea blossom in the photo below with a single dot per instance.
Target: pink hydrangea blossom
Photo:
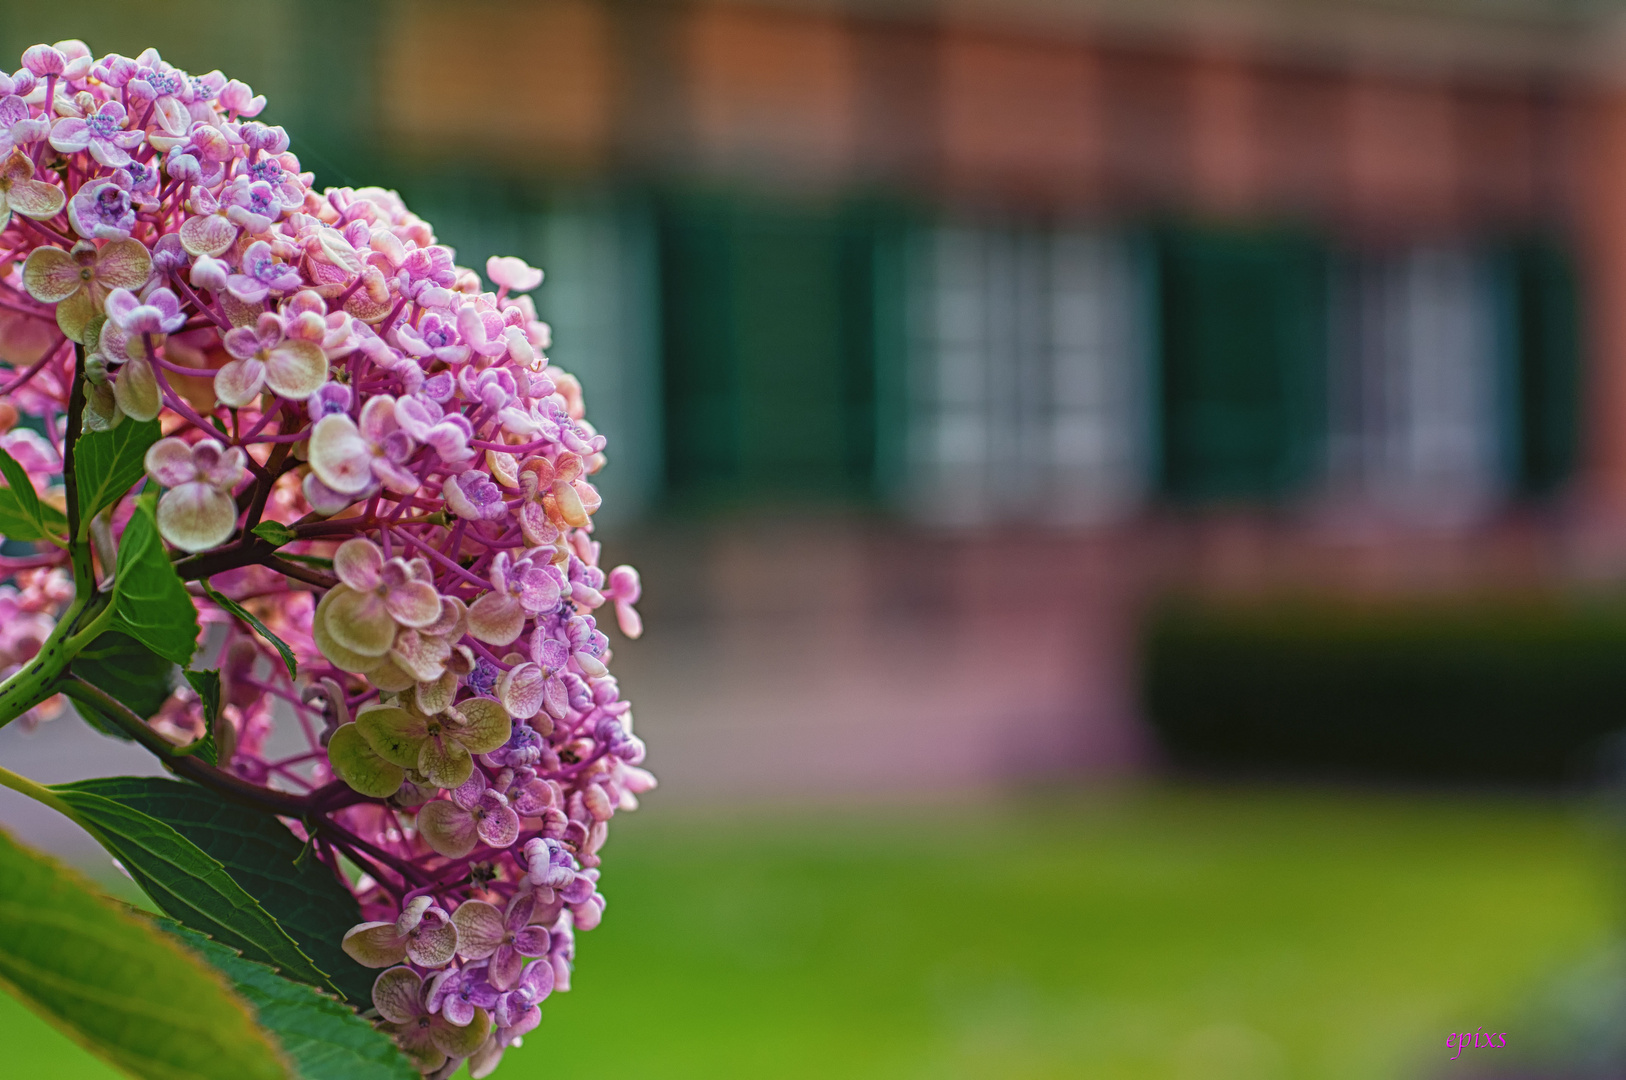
(370, 454)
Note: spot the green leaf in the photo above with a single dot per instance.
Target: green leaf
(274, 532)
(241, 612)
(111, 982)
(207, 685)
(188, 884)
(128, 670)
(260, 854)
(107, 463)
(323, 1038)
(149, 600)
(22, 515)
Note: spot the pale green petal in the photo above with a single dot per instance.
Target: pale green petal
(396, 734)
(356, 763)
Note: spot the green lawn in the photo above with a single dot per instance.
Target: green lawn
(1154, 933)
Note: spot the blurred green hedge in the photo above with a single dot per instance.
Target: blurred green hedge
(1493, 690)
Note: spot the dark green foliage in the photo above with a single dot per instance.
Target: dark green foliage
(149, 601)
(128, 670)
(273, 532)
(263, 857)
(22, 515)
(107, 463)
(115, 985)
(241, 612)
(1489, 691)
(207, 685)
(187, 883)
(323, 1038)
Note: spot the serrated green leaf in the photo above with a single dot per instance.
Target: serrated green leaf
(149, 601)
(274, 532)
(323, 1038)
(114, 984)
(207, 685)
(241, 612)
(22, 515)
(128, 670)
(17, 524)
(261, 855)
(188, 884)
(107, 463)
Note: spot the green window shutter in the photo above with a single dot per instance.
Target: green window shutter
(1549, 365)
(1244, 350)
(768, 349)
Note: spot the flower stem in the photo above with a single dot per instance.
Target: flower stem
(84, 576)
(41, 794)
(36, 680)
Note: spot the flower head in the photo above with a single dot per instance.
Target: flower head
(422, 933)
(428, 1039)
(79, 281)
(473, 814)
(265, 355)
(393, 486)
(505, 940)
(439, 747)
(20, 192)
(197, 512)
(103, 133)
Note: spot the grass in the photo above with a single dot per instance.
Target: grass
(1157, 933)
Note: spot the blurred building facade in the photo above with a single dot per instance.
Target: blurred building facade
(937, 337)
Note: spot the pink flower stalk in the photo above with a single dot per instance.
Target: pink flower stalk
(369, 452)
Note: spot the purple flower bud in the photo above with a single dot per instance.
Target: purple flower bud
(168, 255)
(182, 166)
(43, 60)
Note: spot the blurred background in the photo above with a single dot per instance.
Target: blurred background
(1131, 499)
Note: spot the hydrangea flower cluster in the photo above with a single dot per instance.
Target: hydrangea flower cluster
(365, 449)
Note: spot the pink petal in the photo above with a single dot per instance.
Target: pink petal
(296, 369)
(512, 274)
(521, 690)
(339, 456)
(242, 342)
(532, 941)
(448, 828)
(500, 827)
(628, 619)
(413, 604)
(397, 994)
(480, 929)
(35, 199)
(378, 418)
(359, 563)
(359, 621)
(401, 480)
(505, 967)
(238, 382)
(496, 618)
(432, 947)
(420, 655)
(457, 1011)
(538, 591)
(169, 461)
(196, 516)
(211, 235)
(375, 944)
